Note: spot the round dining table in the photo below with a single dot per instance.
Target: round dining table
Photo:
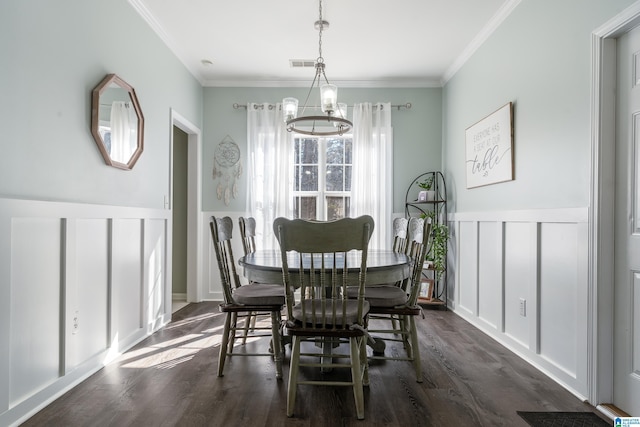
(383, 266)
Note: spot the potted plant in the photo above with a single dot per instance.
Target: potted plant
(427, 194)
(437, 253)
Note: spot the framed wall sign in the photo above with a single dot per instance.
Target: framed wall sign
(489, 148)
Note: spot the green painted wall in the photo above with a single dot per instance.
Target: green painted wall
(539, 59)
(53, 55)
(417, 132)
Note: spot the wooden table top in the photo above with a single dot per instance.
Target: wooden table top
(383, 266)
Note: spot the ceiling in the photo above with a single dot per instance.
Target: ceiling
(369, 43)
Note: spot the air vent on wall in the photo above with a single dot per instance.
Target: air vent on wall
(302, 63)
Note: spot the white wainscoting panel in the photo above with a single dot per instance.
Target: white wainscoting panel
(88, 292)
(490, 273)
(126, 273)
(156, 272)
(558, 295)
(35, 345)
(519, 280)
(467, 269)
(78, 285)
(521, 277)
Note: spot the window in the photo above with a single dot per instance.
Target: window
(322, 177)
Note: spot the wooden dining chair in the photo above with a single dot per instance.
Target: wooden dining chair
(397, 306)
(400, 234)
(242, 301)
(248, 234)
(333, 256)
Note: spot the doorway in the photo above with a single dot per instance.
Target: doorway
(186, 167)
(179, 191)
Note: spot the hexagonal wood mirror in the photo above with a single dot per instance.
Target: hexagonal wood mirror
(117, 123)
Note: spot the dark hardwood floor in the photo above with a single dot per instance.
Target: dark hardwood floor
(169, 379)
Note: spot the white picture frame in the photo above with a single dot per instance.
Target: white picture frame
(489, 148)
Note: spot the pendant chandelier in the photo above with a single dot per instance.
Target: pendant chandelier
(335, 113)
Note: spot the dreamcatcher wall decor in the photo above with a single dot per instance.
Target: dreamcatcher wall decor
(227, 167)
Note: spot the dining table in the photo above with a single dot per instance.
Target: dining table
(383, 267)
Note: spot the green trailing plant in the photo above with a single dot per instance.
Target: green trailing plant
(426, 183)
(437, 253)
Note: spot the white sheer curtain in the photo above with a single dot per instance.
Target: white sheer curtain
(372, 179)
(270, 156)
(123, 131)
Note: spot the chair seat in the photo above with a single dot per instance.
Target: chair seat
(259, 294)
(381, 296)
(351, 313)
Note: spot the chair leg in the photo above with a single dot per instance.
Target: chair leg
(415, 352)
(394, 323)
(358, 393)
(364, 361)
(277, 347)
(232, 331)
(223, 345)
(293, 375)
(247, 325)
(404, 327)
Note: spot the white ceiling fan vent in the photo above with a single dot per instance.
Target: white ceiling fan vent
(302, 63)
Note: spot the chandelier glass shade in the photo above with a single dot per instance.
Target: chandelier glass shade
(334, 121)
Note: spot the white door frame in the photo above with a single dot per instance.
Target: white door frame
(194, 203)
(601, 210)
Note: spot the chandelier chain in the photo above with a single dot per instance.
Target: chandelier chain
(321, 26)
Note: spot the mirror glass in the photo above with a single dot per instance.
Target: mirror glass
(117, 123)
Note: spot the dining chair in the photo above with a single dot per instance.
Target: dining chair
(241, 301)
(400, 234)
(398, 305)
(332, 256)
(400, 226)
(248, 235)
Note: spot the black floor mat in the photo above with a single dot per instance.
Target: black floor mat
(563, 419)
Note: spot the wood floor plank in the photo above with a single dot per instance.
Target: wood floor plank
(170, 379)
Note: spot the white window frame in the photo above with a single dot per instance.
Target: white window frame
(322, 195)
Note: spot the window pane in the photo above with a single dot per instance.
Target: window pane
(335, 150)
(305, 208)
(335, 180)
(337, 207)
(347, 178)
(309, 178)
(348, 151)
(309, 151)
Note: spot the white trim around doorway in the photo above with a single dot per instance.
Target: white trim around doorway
(194, 203)
(601, 210)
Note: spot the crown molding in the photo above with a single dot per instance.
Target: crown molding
(497, 19)
(416, 83)
(148, 17)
